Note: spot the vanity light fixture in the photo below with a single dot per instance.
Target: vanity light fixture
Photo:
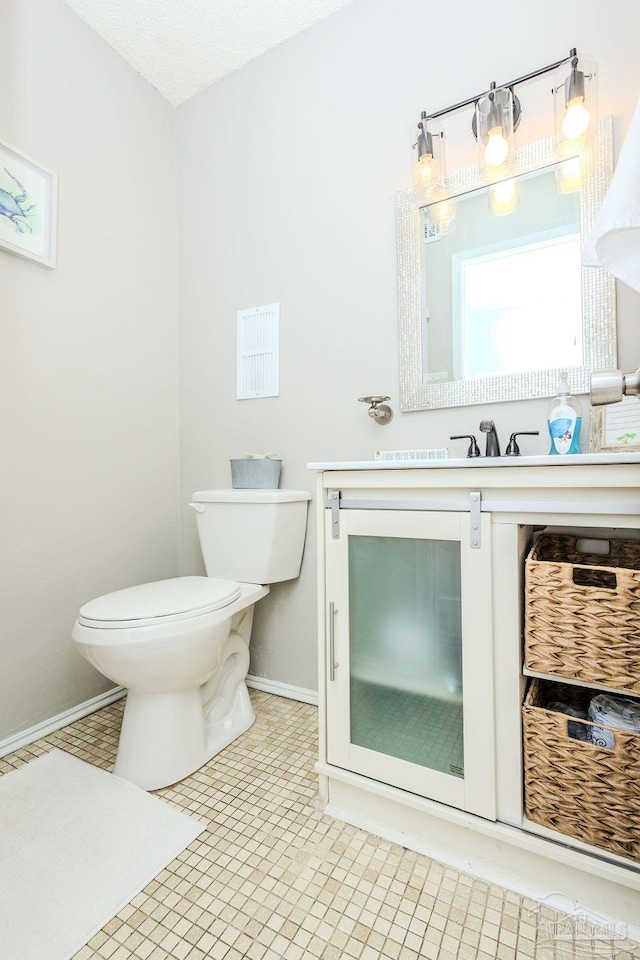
(429, 168)
(496, 117)
(575, 94)
(497, 113)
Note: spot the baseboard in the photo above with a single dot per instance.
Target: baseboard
(283, 690)
(25, 737)
(19, 740)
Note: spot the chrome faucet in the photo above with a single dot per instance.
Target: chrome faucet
(493, 444)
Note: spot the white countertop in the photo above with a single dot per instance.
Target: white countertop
(482, 462)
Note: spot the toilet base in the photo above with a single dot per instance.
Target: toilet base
(167, 736)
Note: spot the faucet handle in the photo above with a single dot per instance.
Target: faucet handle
(474, 449)
(513, 450)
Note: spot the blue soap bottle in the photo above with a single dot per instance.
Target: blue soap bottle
(564, 420)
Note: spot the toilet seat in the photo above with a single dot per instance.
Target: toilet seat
(162, 601)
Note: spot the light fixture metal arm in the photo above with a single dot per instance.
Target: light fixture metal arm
(511, 83)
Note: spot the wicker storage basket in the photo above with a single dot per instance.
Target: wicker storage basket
(582, 612)
(581, 790)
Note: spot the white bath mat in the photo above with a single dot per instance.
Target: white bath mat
(76, 844)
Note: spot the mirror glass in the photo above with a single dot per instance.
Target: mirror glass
(494, 302)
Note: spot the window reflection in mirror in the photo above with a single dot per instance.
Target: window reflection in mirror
(502, 294)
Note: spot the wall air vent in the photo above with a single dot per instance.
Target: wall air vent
(258, 352)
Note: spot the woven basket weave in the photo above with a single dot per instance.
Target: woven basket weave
(576, 788)
(582, 612)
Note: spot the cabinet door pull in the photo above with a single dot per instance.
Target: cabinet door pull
(332, 641)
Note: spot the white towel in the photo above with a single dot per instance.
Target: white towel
(614, 242)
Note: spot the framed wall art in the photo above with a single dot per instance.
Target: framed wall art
(28, 207)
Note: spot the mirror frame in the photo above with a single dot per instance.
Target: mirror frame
(598, 289)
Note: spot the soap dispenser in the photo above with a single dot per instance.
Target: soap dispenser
(564, 420)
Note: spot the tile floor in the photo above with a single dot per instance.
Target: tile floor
(273, 877)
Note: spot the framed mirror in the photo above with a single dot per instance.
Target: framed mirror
(493, 305)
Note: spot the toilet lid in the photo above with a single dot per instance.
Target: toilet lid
(182, 596)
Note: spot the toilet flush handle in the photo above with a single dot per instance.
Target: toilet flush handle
(198, 507)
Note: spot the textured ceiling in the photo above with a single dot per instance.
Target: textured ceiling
(183, 46)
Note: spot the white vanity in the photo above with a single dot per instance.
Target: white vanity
(421, 674)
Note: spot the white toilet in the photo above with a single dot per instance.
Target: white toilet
(181, 646)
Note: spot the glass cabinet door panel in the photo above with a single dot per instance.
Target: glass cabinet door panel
(409, 626)
(405, 652)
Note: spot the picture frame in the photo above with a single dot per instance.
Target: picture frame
(28, 207)
(615, 427)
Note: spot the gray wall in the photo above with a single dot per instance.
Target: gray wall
(88, 372)
(294, 161)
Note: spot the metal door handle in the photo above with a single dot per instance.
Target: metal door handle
(332, 641)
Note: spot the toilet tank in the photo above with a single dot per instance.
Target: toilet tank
(254, 536)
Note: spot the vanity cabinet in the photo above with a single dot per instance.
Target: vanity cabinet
(421, 667)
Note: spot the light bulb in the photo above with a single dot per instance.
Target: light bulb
(505, 191)
(576, 119)
(570, 169)
(503, 198)
(428, 171)
(568, 175)
(443, 214)
(497, 148)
